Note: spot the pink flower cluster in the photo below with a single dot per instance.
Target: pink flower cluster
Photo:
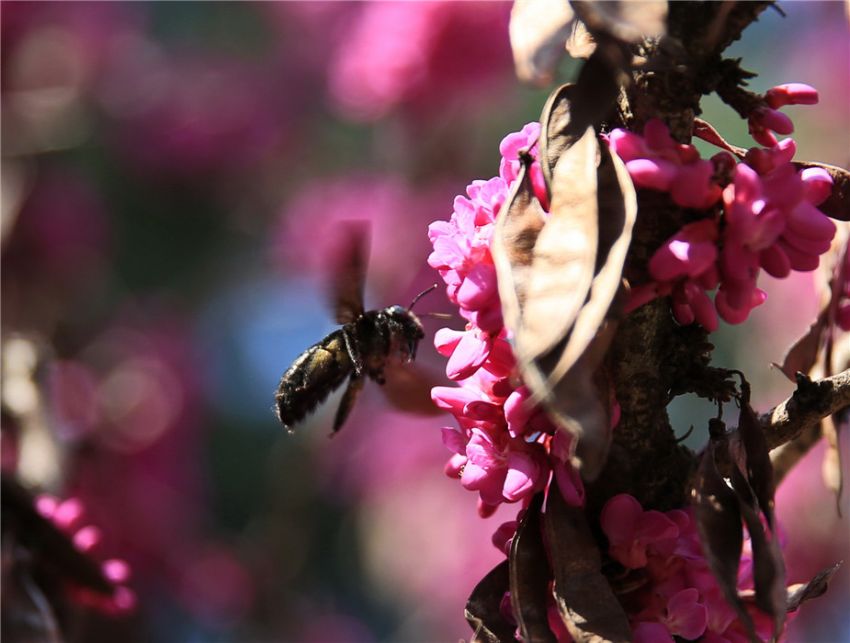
(767, 219)
(69, 517)
(680, 597)
(504, 448)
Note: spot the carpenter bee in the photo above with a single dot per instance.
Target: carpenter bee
(368, 342)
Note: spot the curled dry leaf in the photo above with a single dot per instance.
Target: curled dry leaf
(803, 354)
(517, 226)
(529, 576)
(837, 204)
(558, 129)
(756, 463)
(705, 130)
(626, 20)
(585, 601)
(800, 593)
(580, 44)
(718, 521)
(483, 612)
(538, 31)
(564, 254)
(768, 565)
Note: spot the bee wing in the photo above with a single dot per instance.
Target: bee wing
(350, 261)
(408, 388)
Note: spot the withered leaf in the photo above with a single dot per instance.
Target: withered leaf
(801, 357)
(705, 130)
(482, 609)
(598, 84)
(800, 593)
(558, 130)
(529, 576)
(519, 222)
(564, 255)
(580, 44)
(768, 565)
(585, 601)
(837, 205)
(832, 469)
(617, 208)
(538, 32)
(757, 454)
(577, 401)
(626, 20)
(718, 521)
(27, 615)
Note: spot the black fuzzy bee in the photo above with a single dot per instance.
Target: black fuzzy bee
(368, 342)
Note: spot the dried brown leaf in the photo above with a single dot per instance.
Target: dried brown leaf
(529, 576)
(482, 609)
(718, 521)
(564, 254)
(768, 565)
(538, 31)
(801, 357)
(626, 20)
(580, 44)
(558, 130)
(800, 593)
(617, 208)
(757, 463)
(519, 222)
(578, 403)
(585, 601)
(598, 84)
(837, 205)
(705, 130)
(831, 468)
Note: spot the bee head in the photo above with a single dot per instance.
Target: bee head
(406, 330)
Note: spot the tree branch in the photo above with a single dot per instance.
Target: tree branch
(810, 403)
(786, 457)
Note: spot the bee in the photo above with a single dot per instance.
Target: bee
(368, 342)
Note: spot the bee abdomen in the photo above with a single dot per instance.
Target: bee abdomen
(316, 373)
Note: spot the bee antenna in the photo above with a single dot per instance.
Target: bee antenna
(421, 295)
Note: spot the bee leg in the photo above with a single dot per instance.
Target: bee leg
(353, 353)
(355, 385)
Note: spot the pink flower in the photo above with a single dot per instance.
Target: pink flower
(686, 616)
(630, 530)
(657, 162)
(769, 219)
(688, 253)
(415, 55)
(69, 516)
(765, 120)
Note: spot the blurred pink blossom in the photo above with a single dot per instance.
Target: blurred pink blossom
(419, 55)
